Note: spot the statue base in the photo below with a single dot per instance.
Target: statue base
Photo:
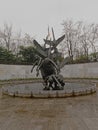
(35, 90)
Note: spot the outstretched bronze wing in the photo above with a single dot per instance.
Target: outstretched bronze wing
(59, 40)
(54, 43)
(39, 49)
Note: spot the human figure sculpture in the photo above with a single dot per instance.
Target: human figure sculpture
(50, 73)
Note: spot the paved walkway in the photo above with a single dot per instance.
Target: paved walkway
(78, 113)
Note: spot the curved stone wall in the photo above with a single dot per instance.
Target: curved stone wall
(87, 70)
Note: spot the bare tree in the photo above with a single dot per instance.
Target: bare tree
(16, 42)
(6, 35)
(84, 40)
(27, 40)
(80, 38)
(13, 40)
(72, 33)
(93, 37)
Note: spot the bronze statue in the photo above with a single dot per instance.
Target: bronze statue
(47, 62)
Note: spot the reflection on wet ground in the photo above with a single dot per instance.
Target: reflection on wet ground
(74, 113)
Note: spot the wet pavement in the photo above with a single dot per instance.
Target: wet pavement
(74, 113)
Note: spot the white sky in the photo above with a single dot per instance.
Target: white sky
(34, 16)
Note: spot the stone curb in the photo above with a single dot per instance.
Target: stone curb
(67, 92)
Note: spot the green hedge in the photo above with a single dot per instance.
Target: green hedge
(25, 56)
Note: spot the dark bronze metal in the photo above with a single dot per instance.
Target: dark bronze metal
(47, 62)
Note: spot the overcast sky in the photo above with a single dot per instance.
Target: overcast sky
(34, 16)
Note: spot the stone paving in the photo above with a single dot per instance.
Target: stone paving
(74, 113)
